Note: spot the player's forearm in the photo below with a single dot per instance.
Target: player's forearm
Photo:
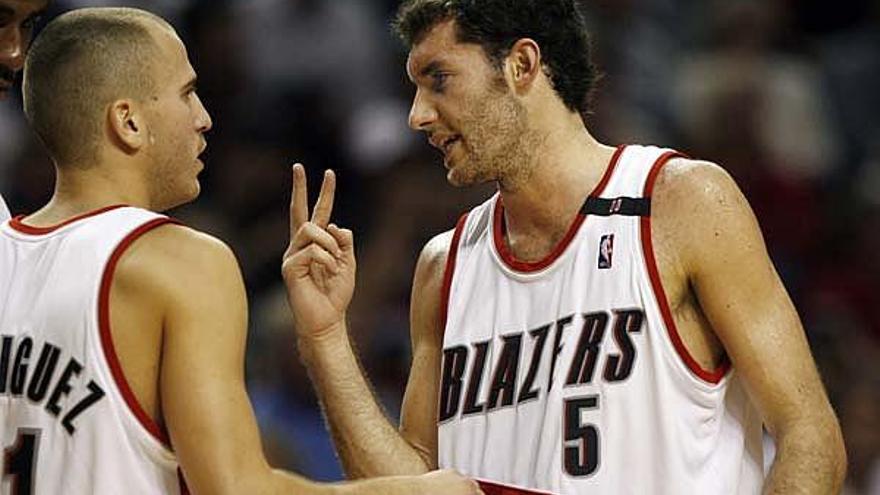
(810, 459)
(256, 477)
(283, 483)
(286, 483)
(367, 442)
(279, 482)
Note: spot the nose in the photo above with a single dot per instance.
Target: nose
(203, 119)
(12, 47)
(422, 114)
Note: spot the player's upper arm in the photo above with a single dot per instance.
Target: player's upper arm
(196, 282)
(418, 423)
(721, 250)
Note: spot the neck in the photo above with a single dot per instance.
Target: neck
(540, 207)
(81, 190)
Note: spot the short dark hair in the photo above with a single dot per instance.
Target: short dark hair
(81, 62)
(557, 26)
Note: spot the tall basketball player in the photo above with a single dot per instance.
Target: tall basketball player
(122, 333)
(17, 20)
(608, 322)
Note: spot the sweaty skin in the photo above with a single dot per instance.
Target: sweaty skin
(725, 295)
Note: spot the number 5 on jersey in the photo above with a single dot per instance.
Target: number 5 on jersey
(580, 447)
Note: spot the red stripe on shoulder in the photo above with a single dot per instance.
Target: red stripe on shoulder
(17, 223)
(450, 269)
(711, 376)
(107, 338)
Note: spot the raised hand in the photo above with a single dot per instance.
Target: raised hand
(319, 264)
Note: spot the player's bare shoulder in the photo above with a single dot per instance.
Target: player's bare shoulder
(427, 286)
(696, 205)
(172, 257)
(690, 187)
(432, 260)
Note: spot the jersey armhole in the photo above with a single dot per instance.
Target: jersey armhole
(450, 270)
(106, 337)
(711, 376)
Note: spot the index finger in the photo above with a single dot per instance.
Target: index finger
(299, 200)
(324, 206)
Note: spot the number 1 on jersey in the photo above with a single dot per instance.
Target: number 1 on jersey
(580, 448)
(19, 461)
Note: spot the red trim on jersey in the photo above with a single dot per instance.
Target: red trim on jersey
(107, 338)
(525, 266)
(495, 488)
(450, 269)
(711, 376)
(18, 224)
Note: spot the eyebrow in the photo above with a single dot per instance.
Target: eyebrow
(8, 11)
(431, 68)
(190, 85)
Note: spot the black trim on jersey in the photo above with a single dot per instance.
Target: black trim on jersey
(605, 207)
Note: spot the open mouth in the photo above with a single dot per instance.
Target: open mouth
(447, 144)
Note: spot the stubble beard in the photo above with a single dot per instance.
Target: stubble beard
(499, 144)
(169, 177)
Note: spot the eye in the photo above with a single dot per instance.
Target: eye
(438, 81)
(30, 23)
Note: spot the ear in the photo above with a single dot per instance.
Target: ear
(126, 125)
(523, 64)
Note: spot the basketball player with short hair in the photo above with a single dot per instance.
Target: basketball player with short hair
(17, 21)
(608, 322)
(122, 333)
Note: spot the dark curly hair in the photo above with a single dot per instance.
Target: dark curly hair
(556, 25)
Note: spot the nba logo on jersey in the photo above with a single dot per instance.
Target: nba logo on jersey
(606, 250)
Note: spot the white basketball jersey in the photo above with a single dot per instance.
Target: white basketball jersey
(68, 421)
(567, 375)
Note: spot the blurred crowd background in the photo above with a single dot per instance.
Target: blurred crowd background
(785, 94)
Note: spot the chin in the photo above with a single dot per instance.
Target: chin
(194, 192)
(463, 176)
(189, 196)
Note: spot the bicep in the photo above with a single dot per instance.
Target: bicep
(205, 403)
(418, 423)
